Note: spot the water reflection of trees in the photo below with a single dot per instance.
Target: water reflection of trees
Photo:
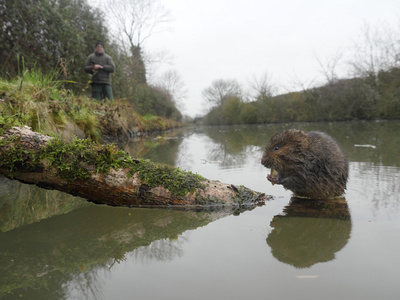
(231, 146)
(218, 153)
(84, 285)
(158, 148)
(237, 138)
(382, 135)
(22, 204)
(310, 231)
(87, 284)
(160, 250)
(68, 252)
(380, 185)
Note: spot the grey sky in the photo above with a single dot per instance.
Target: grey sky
(243, 39)
(240, 39)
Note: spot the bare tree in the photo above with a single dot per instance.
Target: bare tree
(154, 60)
(261, 87)
(329, 68)
(221, 90)
(132, 22)
(378, 50)
(171, 83)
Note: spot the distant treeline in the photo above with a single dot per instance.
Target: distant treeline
(365, 98)
(49, 34)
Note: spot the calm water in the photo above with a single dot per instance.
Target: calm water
(55, 246)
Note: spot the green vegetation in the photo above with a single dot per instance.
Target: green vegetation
(208, 200)
(245, 196)
(243, 200)
(46, 35)
(72, 161)
(79, 159)
(371, 92)
(15, 156)
(41, 102)
(369, 98)
(178, 182)
(75, 160)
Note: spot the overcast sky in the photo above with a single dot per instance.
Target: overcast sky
(243, 39)
(240, 39)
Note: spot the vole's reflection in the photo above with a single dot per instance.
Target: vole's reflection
(310, 231)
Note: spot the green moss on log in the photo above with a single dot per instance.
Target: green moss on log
(14, 157)
(177, 181)
(245, 196)
(79, 159)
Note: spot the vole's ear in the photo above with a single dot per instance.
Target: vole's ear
(301, 138)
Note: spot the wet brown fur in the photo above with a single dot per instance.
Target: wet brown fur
(310, 164)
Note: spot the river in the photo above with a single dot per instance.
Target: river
(56, 246)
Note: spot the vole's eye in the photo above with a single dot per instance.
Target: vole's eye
(276, 148)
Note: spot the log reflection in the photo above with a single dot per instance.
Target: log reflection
(46, 257)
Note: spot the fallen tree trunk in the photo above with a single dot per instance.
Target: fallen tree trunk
(105, 175)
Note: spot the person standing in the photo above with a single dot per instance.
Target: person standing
(101, 66)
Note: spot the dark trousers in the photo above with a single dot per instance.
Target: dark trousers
(102, 91)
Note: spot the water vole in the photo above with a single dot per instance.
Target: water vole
(310, 164)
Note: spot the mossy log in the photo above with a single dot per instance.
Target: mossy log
(105, 175)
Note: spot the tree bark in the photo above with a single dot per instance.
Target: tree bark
(116, 187)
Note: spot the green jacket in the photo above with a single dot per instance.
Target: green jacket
(102, 76)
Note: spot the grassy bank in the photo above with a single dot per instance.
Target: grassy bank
(40, 102)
